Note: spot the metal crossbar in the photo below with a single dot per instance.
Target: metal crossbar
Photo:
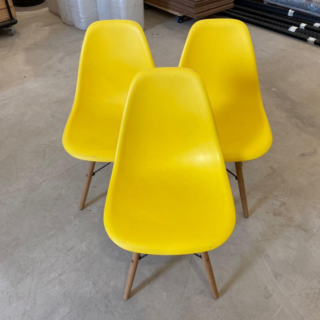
(101, 168)
(144, 255)
(232, 174)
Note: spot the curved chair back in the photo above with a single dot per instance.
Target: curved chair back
(169, 172)
(221, 51)
(114, 51)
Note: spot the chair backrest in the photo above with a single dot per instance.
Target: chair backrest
(168, 134)
(113, 52)
(221, 51)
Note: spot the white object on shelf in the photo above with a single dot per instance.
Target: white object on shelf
(84, 12)
(104, 9)
(66, 12)
(81, 13)
(128, 10)
(53, 7)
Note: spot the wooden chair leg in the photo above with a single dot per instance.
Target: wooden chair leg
(86, 185)
(242, 189)
(210, 275)
(132, 272)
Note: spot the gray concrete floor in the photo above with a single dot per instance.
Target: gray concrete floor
(57, 262)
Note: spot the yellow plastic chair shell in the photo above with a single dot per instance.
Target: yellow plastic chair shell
(113, 52)
(221, 51)
(169, 192)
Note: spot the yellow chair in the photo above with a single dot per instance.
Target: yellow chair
(169, 192)
(113, 53)
(221, 52)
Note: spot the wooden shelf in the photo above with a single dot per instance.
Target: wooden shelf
(4, 13)
(195, 9)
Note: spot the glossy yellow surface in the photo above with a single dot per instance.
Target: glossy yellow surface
(113, 53)
(221, 51)
(169, 191)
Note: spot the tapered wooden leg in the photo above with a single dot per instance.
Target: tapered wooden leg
(86, 185)
(242, 189)
(210, 275)
(132, 272)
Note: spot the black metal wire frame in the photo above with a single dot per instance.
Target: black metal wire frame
(284, 25)
(9, 9)
(232, 174)
(144, 255)
(101, 168)
(274, 17)
(273, 27)
(304, 17)
(12, 21)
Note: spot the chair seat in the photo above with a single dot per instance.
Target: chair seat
(113, 52)
(91, 134)
(221, 52)
(244, 134)
(154, 216)
(169, 192)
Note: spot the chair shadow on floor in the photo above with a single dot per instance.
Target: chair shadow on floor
(258, 204)
(198, 268)
(267, 195)
(96, 199)
(234, 278)
(169, 264)
(201, 273)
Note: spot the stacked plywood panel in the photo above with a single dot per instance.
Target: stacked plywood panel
(195, 9)
(4, 12)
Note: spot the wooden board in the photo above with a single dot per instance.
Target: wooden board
(200, 6)
(212, 11)
(192, 8)
(4, 14)
(159, 6)
(193, 12)
(3, 4)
